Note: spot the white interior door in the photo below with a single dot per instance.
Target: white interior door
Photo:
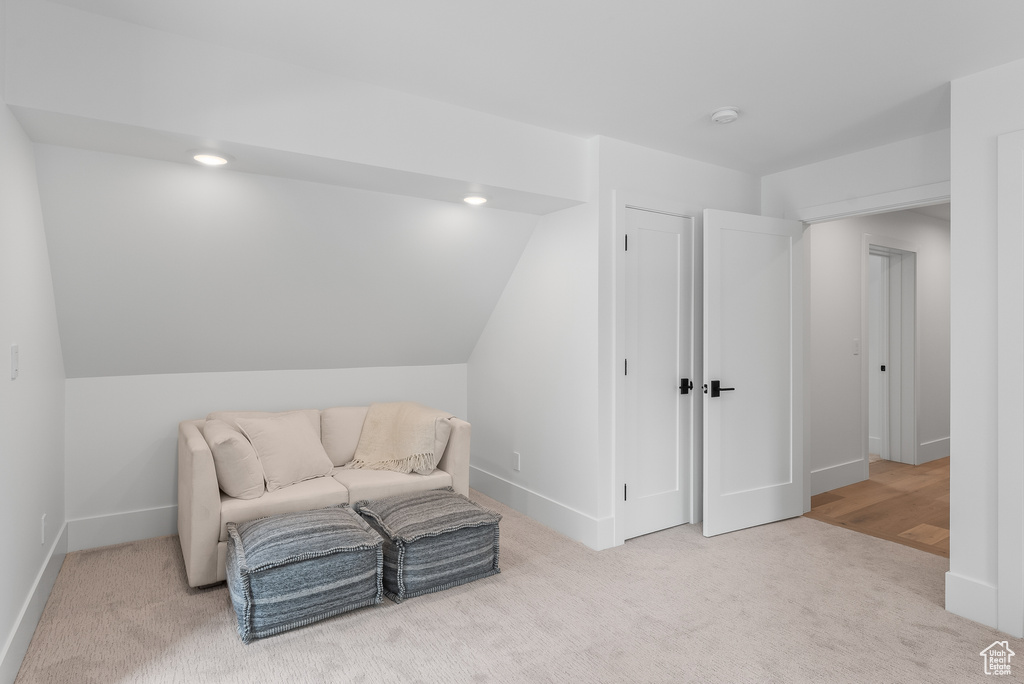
(753, 415)
(878, 353)
(657, 426)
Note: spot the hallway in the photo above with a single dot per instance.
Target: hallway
(901, 503)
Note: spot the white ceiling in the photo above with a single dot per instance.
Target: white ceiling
(939, 211)
(813, 78)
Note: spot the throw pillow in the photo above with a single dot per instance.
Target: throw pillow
(288, 449)
(239, 473)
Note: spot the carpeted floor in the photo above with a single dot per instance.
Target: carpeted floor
(796, 601)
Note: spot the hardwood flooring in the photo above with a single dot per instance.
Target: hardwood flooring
(905, 504)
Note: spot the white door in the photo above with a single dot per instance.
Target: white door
(753, 422)
(656, 441)
(878, 353)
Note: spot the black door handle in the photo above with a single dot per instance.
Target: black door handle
(717, 389)
(685, 386)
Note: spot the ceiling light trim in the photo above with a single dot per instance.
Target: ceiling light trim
(212, 158)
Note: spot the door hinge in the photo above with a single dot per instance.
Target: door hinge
(625, 366)
(883, 369)
(685, 385)
(626, 242)
(624, 498)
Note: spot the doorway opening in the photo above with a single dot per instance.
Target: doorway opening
(880, 461)
(891, 316)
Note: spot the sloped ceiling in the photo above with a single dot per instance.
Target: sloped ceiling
(168, 268)
(336, 239)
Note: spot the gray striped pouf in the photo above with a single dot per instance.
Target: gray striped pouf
(293, 569)
(433, 540)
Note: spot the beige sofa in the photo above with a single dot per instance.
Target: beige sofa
(204, 510)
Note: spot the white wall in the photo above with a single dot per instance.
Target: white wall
(902, 165)
(175, 268)
(122, 432)
(984, 106)
(533, 385)
(835, 374)
(31, 407)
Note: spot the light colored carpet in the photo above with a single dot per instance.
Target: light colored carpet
(796, 601)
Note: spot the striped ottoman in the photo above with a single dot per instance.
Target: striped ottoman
(432, 541)
(291, 570)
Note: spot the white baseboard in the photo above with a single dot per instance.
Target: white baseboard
(117, 528)
(834, 477)
(933, 450)
(597, 533)
(972, 599)
(17, 644)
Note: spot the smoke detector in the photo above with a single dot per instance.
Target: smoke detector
(724, 115)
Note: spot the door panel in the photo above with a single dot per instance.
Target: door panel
(658, 321)
(753, 458)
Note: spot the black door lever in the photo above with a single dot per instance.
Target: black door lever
(685, 386)
(717, 389)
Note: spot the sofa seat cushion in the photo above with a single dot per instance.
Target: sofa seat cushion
(376, 484)
(318, 493)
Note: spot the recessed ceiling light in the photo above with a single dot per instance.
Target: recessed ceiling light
(475, 199)
(209, 158)
(724, 115)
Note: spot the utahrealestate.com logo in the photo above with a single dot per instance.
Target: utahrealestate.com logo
(997, 658)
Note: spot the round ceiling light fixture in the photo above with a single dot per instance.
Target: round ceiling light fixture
(725, 115)
(475, 199)
(210, 157)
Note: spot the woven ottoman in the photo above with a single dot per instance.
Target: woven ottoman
(291, 570)
(433, 540)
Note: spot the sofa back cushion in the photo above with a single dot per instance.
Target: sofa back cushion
(288, 447)
(339, 429)
(239, 472)
(232, 417)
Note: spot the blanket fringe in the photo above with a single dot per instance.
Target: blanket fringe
(422, 464)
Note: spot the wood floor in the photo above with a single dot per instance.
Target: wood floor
(905, 504)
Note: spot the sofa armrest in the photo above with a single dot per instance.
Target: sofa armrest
(198, 505)
(455, 460)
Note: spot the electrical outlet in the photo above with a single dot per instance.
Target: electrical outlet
(42, 530)
(517, 461)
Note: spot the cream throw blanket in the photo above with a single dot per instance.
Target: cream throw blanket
(402, 436)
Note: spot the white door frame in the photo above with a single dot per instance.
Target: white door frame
(623, 200)
(1010, 345)
(902, 353)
